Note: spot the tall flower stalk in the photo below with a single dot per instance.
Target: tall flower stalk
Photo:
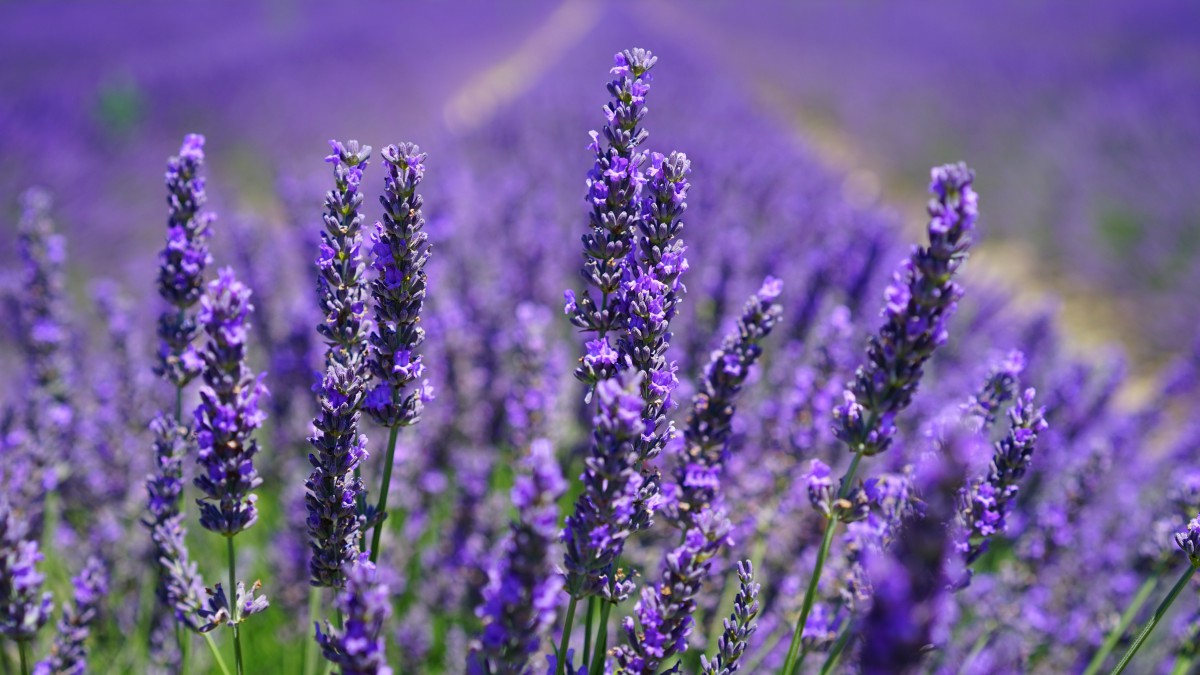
(617, 498)
(24, 608)
(225, 421)
(334, 489)
(919, 302)
(69, 654)
(183, 263)
(400, 249)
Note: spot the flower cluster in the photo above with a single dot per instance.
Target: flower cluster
(183, 262)
(739, 627)
(334, 522)
(664, 612)
(228, 413)
(920, 301)
(611, 505)
(341, 284)
(400, 250)
(985, 504)
(69, 655)
(522, 592)
(709, 424)
(614, 195)
(358, 647)
(24, 609)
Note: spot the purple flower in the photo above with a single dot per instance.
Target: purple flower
(341, 283)
(1189, 541)
(523, 589)
(400, 250)
(986, 502)
(710, 421)
(183, 262)
(664, 612)
(739, 627)
(919, 300)
(332, 489)
(69, 655)
(228, 413)
(24, 609)
(358, 648)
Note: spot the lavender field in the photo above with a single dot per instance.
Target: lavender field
(772, 337)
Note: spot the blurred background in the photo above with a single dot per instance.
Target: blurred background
(1081, 120)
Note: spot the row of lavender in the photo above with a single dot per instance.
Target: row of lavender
(1080, 123)
(709, 548)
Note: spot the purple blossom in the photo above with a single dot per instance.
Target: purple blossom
(24, 608)
(228, 413)
(69, 655)
(183, 262)
(920, 299)
(523, 590)
(400, 250)
(342, 284)
(664, 613)
(358, 647)
(1189, 541)
(739, 627)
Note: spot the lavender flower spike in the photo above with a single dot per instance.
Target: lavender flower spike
(607, 510)
(985, 503)
(183, 262)
(69, 656)
(341, 284)
(24, 609)
(614, 189)
(228, 412)
(739, 627)
(400, 248)
(522, 592)
(920, 300)
(664, 612)
(332, 489)
(358, 648)
(1189, 541)
(698, 469)
(179, 585)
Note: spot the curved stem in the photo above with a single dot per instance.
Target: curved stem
(791, 663)
(381, 508)
(212, 647)
(23, 649)
(1114, 636)
(233, 608)
(1158, 615)
(561, 660)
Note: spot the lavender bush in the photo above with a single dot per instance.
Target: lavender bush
(798, 443)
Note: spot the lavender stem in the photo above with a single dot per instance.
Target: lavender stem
(381, 508)
(587, 632)
(597, 666)
(791, 664)
(1158, 615)
(566, 637)
(1110, 642)
(212, 647)
(234, 609)
(23, 649)
(311, 654)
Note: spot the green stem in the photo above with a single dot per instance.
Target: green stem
(1183, 665)
(810, 595)
(836, 653)
(234, 610)
(1158, 615)
(212, 647)
(561, 661)
(381, 508)
(184, 638)
(587, 632)
(311, 653)
(597, 667)
(23, 649)
(1131, 612)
